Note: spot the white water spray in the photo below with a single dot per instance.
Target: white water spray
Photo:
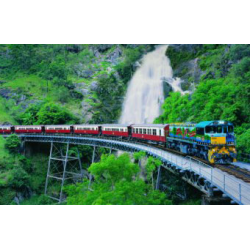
(145, 95)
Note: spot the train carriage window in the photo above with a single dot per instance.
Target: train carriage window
(224, 129)
(140, 131)
(160, 132)
(148, 132)
(144, 131)
(154, 131)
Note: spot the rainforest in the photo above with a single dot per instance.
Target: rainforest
(93, 84)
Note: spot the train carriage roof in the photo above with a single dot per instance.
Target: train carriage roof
(150, 125)
(52, 126)
(87, 125)
(28, 126)
(115, 125)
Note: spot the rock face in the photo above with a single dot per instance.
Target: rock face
(114, 56)
(166, 88)
(191, 48)
(189, 71)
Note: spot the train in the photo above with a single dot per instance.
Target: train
(213, 141)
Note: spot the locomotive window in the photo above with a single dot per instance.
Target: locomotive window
(200, 131)
(219, 129)
(225, 129)
(144, 131)
(208, 129)
(230, 129)
(154, 131)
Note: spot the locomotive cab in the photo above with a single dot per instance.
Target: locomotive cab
(221, 133)
(220, 136)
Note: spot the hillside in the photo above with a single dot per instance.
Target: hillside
(218, 77)
(85, 82)
(65, 84)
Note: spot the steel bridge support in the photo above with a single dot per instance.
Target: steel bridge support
(158, 180)
(62, 168)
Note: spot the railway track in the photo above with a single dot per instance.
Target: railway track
(233, 170)
(236, 171)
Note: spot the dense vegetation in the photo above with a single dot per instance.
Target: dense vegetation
(117, 182)
(63, 84)
(222, 93)
(75, 78)
(59, 84)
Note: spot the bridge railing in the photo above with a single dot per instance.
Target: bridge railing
(229, 185)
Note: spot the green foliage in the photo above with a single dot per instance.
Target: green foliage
(116, 182)
(139, 155)
(222, 94)
(125, 68)
(19, 179)
(13, 143)
(243, 142)
(177, 58)
(7, 195)
(47, 113)
(114, 169)
(38, 200)
(110, 93)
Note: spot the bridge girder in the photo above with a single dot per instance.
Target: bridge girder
(199, 181)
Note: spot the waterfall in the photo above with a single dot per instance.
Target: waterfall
(145, 96)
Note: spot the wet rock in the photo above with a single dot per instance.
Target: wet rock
(82, 88)
(5, 93)
(190, 74)
(114, 55)
(86, 111)
(94, 86)
(103, 47)
(191, 48)
(87, 73)
(166, 88)
(136, 65)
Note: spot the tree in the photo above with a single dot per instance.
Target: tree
(46, 113)
(13, 143)
(151, 165)
(19, 178)
(116, 182)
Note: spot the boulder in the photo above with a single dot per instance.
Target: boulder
(114, 55)
(94, 85)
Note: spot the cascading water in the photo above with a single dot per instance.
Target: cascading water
(145, 95)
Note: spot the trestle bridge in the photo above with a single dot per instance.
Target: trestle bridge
(209, 180)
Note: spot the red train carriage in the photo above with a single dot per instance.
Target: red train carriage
(6, 129)
(88, 129)
(152, 132)
(28, 129)
(123, 130)
(61, 129)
